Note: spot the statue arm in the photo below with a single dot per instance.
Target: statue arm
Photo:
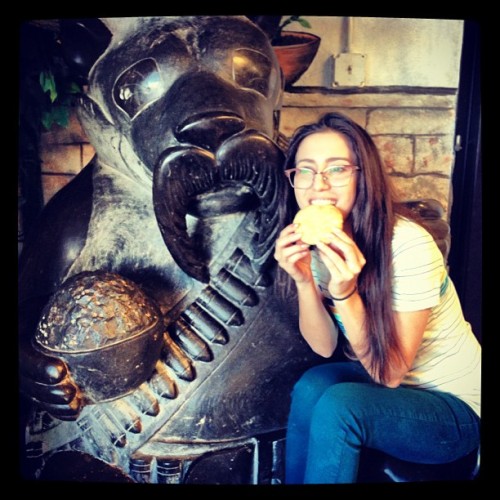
(48, 252)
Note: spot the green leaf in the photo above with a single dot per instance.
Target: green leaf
(48, 84)
(74, 88)
(294, 19)
(47, 120)
(61, 115)
(57, 114)
(304, 22)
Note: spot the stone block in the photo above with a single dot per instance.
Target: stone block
(73, 133)
(397, 153)
(424, 186)
(60, 158)
(293, 117)
(51, 184)
(406, 121)
(434, 154)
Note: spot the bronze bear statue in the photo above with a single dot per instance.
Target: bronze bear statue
(183, 200)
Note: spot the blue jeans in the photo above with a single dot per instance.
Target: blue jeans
(336, 409)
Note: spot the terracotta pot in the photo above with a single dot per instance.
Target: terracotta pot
(296, 51)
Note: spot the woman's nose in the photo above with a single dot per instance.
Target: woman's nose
(320, 182)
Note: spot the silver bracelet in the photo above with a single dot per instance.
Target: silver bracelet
(347, 296)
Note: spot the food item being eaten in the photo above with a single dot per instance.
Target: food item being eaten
(316, 221)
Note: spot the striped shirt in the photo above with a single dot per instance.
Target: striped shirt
(449, 357)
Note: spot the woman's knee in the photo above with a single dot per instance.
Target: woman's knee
(313, 383)
(337, 418)
(342, 403)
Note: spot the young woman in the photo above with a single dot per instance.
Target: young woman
(410, 383)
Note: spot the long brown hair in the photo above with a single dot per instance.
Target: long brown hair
(373, 218)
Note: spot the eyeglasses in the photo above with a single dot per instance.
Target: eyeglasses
(335, 176)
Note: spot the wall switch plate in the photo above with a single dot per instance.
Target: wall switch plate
(349, 70)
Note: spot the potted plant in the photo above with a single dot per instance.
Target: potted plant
(295, 49)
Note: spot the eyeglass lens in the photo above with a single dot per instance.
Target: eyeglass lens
(336, 176)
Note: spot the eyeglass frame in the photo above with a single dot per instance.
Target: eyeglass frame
(288, 173)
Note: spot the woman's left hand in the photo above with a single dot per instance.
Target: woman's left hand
(344, 260)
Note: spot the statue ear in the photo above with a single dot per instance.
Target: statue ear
(82, 42)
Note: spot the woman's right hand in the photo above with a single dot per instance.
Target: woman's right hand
(293, 255)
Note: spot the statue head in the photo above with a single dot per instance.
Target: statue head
(191, 104)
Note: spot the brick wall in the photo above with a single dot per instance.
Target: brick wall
(63, 152)
(414, 131)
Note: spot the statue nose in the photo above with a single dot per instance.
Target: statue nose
(209, 130)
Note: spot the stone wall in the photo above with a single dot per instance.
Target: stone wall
(64, 152)
(413, 129)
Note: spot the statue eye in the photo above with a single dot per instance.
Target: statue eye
(253, 70)
(138, 86)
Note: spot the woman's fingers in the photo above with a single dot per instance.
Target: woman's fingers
(334, 261)
(287, 238)
(342, 256)
(292, 254)
(287, 242)
(343, 274)
(344, 245)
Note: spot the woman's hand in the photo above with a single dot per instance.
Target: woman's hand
(344, 260)
(293, 255)
(315, 323)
